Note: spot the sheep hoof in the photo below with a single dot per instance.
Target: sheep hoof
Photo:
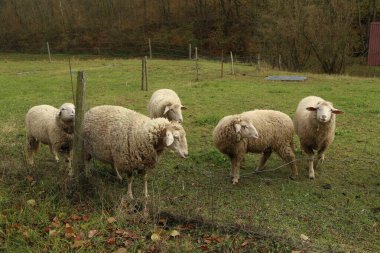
(311, 177)
(235, 181)
(293, 177)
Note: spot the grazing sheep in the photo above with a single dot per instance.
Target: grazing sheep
(258, 131)
(129, 140)
(314, 123)
(53, 127)
(166, 103)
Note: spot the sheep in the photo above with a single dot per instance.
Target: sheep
(258, 131)
(314, 123)
(129, 140)
(53, 127)
(166, 103)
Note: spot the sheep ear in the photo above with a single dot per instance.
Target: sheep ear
(167, 108)
(169, 139)
(337, 111)
(311, 108)
(237, 128)
(183, 107)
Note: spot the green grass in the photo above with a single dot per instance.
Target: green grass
(265, 212)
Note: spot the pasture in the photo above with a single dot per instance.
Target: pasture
(339, 211)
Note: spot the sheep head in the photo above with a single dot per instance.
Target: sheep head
(175, 139)
(67, 112)
(245, 129)
(174, 112)
(324, 111)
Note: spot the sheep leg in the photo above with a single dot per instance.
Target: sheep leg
(310, 157)
(321, 156)
(68, 163)
(54, 152)
(145, 179)
(287, 154)
(129, 180)
(32, 148)
(264, 159)
(235, 163)
(117, 172)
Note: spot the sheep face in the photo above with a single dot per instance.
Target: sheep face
(67, 112)
(245, 129)
(174, 112)
(323, 111)
(175, 140)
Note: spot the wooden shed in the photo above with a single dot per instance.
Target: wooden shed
(374, 45)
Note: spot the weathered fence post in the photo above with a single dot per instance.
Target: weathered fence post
(71, 78)
(222, 67)
(78, 143)
(232, 64)
(142, 73)
(196, 64)
(189, 51)
(146, 73)
(258, 63)
(150, 49)
(48, 49)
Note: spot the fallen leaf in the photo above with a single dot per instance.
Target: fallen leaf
(92, 233)
(53, 233)
(69, 231)
(85, 218)
(30, 178)
(78, 244)
(56, 223)
(31, 202)
(120, 231)
(75, 217)
(174, 233)
(204, 248)
(120, 250)
(111, 241)
(111, 220)
(304, 237)
(245, 243)
(155, 237)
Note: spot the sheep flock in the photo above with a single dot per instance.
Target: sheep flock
(130, 141)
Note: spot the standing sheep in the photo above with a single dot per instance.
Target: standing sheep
(166, 103)
(53, 127)
(258, 131)
(314, 123)
(129, 140)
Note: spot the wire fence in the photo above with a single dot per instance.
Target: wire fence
(200, 197)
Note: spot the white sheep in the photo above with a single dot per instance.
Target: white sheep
(129, 140)
(53, 127)
(166, 103)
(258, 131)
(314, 123)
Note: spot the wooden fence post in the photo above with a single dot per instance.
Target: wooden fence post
(48, 49)
(150, 49)
(258, 63)
(189, 51)
(222, 67)
(78, 143)
(142, 73)
(196, 64)
(232, 64)
(71, 78)
(146, 73)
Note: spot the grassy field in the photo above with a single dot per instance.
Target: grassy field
(339, 211)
